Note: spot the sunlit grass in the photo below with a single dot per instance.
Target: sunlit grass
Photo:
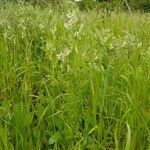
(74, 80)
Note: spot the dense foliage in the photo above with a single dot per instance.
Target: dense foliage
(73, 80)
(90, 4)
(115, 4)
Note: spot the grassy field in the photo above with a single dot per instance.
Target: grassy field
(72, 80)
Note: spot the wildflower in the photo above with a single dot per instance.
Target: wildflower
(63, 55)
(71, 20)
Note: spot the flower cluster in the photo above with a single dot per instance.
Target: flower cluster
(71, 20)
(63, 55)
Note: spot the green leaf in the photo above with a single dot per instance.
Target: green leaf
(3, 139)
(128, 138)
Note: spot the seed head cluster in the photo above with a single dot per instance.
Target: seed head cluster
(71, 20)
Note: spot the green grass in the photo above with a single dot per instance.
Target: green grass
(79, 85)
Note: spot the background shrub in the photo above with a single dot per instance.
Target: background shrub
(143, 5)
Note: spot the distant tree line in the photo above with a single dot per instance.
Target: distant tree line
(90, 4)
(113, 4)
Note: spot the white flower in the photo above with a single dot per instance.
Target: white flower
(71, 20)
(63, 55)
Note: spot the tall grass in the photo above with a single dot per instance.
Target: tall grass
(73, 80)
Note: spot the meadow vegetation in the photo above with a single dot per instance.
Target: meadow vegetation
(73, 80)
